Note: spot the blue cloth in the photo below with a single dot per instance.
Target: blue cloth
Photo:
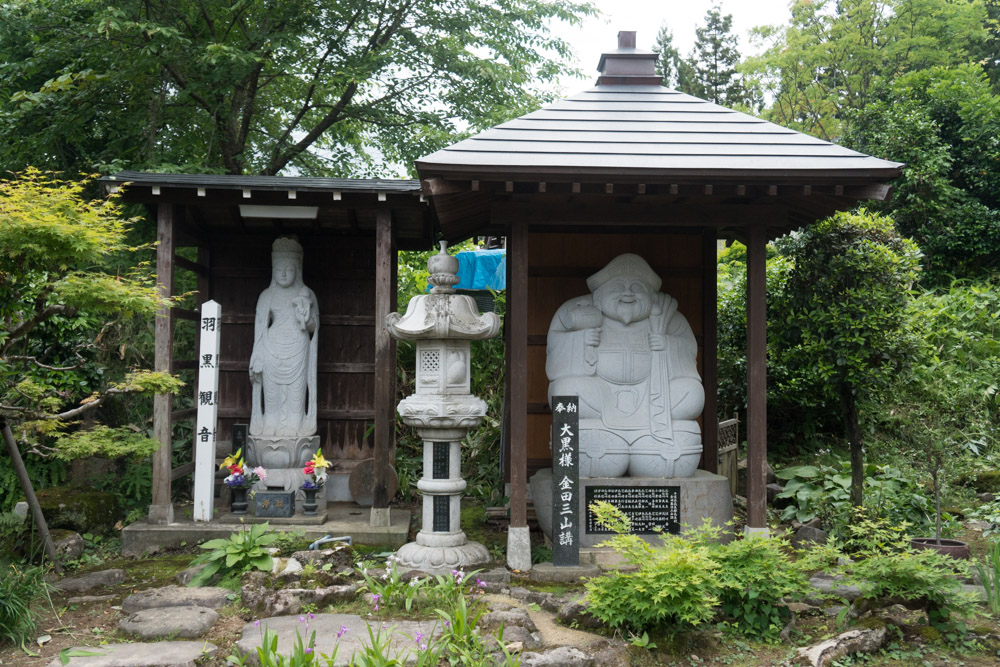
(482, 269)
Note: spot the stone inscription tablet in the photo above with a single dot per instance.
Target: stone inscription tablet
(647, 507)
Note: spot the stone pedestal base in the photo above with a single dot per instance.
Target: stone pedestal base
(441, 560)
(283, 457)
(703, 495)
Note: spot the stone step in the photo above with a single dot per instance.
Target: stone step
(85, 582)
(185, 622)
(177, 596)
(157, 654)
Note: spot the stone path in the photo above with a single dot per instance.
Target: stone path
(92, 580)
(187, 622)
(327, 626)
(159, 654)
(177, 596)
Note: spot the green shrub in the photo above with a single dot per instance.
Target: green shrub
(229, 558)
(757, 577)
(19, 587)
(824, 491)
(673, 589)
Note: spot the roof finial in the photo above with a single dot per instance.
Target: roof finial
(627, 65)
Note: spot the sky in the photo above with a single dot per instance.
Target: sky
(599, 34)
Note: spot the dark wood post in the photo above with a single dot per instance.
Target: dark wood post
(756, 377)
(29, 495)
(517, 321)
(385, 372)
(162, 509)
(710, 351)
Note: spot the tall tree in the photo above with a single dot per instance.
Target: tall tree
(832, 56)
(714, 59)
(845, 324)
(669, 62)
(262, 86)
(944, 124)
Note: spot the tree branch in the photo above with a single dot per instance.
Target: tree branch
(40, 316)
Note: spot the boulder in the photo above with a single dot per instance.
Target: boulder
(263, 596)
(337, 557)
(806, 535)
(516, 617)
(186, 622)
(177, 596)
(564, 656)
(79, 509)
(85, 582)
(516, 634)
(69, 545)
(575, 614)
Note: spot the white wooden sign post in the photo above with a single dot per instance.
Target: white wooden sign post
(208, 411)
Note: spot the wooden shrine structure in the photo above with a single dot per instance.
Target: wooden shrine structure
(350, 230)
(632, 166)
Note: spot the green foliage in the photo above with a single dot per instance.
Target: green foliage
(989, 576)
(65, 282)
(327, 87)
(304, 653)
(230, 557)
(105, 441)
(944, 124)
(824, 491)
(711, 72)
(42, 473)
(677, 585)
(19, 587)
(673, 588)
(833, 56)
(757, 576)
(895, 571)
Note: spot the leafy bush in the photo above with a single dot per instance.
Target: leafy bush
(229, 558)
(19, 587)
(757, 577)
(894, 571)
(825, 491)
(673, 588)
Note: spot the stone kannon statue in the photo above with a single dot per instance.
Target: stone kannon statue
(283, 369)
(630, 356)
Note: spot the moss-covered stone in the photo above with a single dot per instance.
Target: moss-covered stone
(930, 634)
(984, 481)
(81, 510)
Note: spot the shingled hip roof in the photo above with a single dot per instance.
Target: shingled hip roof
(651, 130)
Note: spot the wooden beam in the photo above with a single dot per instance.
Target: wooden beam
(182, 471)
(756, 377)
(184, 314)
(161, 511)
(385, 363)
(710, 351)
(439, 186)
(517, 320)
(878, 191)
(646, 211)
(185, 263)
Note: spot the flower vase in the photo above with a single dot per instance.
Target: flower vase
(309, 505)
(239, 502)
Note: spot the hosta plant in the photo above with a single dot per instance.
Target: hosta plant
(230, 557)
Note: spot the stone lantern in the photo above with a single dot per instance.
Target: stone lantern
(442, 410)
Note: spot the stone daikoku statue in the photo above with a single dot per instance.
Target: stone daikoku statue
(283, 369)
(630, 356)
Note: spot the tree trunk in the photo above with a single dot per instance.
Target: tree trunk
(854, 437)
(29, 495)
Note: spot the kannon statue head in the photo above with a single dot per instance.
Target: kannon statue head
(286, 262)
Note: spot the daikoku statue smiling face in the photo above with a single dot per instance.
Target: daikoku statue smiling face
(624, 300)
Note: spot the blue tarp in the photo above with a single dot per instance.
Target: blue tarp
(482, 269)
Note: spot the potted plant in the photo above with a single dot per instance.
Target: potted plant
(241, 480)
(315, 472)
(935, 450)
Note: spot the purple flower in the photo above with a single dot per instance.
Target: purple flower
(302, 619)
(308, 650)
(447, 624)
(311, 616)
(343, 631)
(256, 623)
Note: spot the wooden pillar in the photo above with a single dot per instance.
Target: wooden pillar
(162, 509)
(518, 537)
(756, 378)
(517, 320)
(710, 351)
(385, 360)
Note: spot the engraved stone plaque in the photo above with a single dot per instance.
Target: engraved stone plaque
(647, 507)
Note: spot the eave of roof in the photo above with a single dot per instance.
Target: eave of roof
(649, 132)
(262, 183)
